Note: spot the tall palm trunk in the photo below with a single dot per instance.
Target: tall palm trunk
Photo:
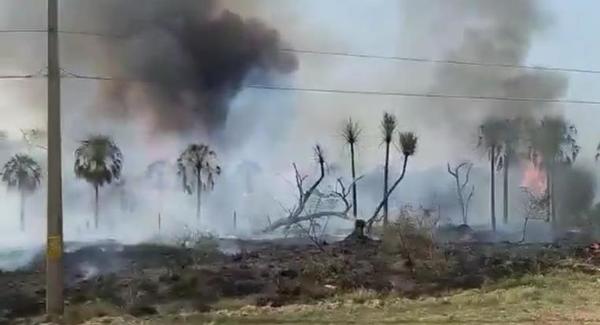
(552, 200)
(198, 194)
(22, 211)
(549, 195)
(354, 199)
(506, 166)
(387, 196)
(492, 187)
(386, 183)
(96, 206)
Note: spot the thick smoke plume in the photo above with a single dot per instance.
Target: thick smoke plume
(191, 59)
(496, 32)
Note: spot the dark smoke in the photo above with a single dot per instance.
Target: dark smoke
(191, 57)
(497, 32)
(575, 193)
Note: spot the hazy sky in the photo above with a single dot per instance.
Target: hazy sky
(276, 128)
(383, 27)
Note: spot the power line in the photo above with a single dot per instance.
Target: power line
(37, 74)
(376, 93)
(358, 55)
(453, 62)
(424, 95)
(22, 31)
(71, 75)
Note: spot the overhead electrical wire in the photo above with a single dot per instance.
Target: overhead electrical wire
(424, 95)
(360, 55)
(373, 93)
(71, 75)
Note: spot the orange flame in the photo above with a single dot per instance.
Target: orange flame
(534, 179)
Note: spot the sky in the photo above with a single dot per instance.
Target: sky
(278, 128)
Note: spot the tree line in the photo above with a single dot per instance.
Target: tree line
(99, 161)
(549, 144)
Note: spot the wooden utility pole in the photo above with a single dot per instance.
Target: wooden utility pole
(54, 248)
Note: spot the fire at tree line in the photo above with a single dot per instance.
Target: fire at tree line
(548, 147)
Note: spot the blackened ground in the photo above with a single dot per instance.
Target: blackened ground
(146, 279)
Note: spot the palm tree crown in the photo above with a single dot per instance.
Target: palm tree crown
(388, 126)
(199, 164)
(351, 132)
(408, 143)
(98, 160)
(23, 173)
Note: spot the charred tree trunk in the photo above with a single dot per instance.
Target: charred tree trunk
(234, 220)
(385, 184)
(354, 199)
(359, 231)
(22, 212)
(493, 187)
(96, 206)
(373, 218)
(549, 195)
(198, 195)
(552, 201)
(505, 196)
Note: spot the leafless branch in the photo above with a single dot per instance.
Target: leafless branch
(298, 214)
(461, 186)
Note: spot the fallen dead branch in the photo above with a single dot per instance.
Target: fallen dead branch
(298, 214)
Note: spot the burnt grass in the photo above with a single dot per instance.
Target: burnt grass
(144, 279)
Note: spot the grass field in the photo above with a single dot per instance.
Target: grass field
(562, 297)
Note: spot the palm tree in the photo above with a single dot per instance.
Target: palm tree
(22, 173)
(509, 136)
(388, 127)
(408, 144)
(490, 139)
(99, 161)
(351, 134)
(197, 166)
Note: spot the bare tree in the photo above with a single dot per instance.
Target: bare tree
(535, 209)
(461, 187)
(34, 138)
(299, 213)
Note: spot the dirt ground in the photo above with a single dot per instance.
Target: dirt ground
(157, 281)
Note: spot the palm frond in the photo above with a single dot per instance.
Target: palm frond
(98, 160)
(388, 127)
(22, 172)
(351, 132)
(198, 167)
(408, 143)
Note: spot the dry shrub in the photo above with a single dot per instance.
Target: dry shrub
(78, 314)
(411, 236)
(204, 246)
(324, 270)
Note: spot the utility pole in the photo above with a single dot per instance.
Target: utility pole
(54, 244)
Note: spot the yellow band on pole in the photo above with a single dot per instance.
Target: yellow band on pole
(54, 250)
